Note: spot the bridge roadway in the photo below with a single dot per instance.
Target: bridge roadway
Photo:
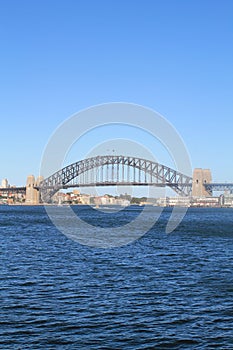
(21, 189)
(214, 186)
(111, 183)
(218, 186)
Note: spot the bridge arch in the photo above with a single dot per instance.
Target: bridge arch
(149, 173)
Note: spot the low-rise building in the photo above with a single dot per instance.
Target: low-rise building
(226, 200)
(205, 202)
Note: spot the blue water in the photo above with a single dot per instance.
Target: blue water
(161, 292)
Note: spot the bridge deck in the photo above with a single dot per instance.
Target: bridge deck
(219, 186)
(12, 189)
(215, 186)
(109, 183)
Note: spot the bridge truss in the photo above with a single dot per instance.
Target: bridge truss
(111, 170)
(210, 187)
(9, 190)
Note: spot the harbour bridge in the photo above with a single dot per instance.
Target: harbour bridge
(119, 170)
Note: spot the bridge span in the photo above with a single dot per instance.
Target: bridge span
(119, 170)
(112, 170)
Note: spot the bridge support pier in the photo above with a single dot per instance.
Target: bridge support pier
(32, 194)
(200, 177)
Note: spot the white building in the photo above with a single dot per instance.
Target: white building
(5, 183)
(226, 199)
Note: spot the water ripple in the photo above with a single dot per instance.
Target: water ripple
(161, 292)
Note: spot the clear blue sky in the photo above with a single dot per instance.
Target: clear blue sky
(58, 57)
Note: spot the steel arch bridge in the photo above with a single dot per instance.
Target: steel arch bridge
(112, 170)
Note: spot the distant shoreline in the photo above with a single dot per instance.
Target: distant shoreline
(108, 206)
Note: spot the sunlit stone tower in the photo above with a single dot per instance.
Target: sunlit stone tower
(38, 181)
(32, 194)
(200, 177)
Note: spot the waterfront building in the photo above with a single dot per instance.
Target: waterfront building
(85, 199)
(205, 202)
(188, 202)
(178, 201)
(226, 200)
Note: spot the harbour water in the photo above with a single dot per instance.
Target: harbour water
(163, 291)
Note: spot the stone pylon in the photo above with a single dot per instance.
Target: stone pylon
(32, 193)
(38, 181)
(31, 197)
(200, 177)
